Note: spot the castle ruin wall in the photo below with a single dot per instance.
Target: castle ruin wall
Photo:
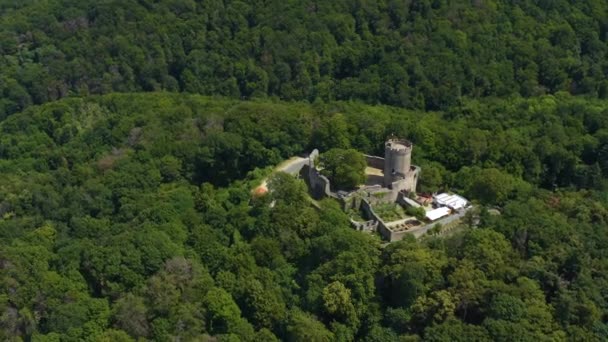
(375, 162)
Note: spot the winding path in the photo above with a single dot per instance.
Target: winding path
(291, 166)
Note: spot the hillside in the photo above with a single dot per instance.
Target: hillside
(128, 216)
(414, 54)
(132, 133)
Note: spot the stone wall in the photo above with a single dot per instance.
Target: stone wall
(375, 162)
(409, 183)
(366, 208)
(312, 157)
(375, 222)
(389, 233)
(318, 184)
(367, 226)
(400, 199)
(378, 195)
(397, 235)
(380, 225)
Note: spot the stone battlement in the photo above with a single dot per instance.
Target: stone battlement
(398, 144)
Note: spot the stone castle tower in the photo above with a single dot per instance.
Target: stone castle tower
(398, 163)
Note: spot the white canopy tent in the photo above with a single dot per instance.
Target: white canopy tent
(453, 201)
(437, 213)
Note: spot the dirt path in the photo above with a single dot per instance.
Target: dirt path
(291, 166)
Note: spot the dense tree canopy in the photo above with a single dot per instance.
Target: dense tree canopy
(344, 168)
(130, 216)
(132, 134)
(417, 54)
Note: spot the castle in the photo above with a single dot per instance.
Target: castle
(390, 175)
(389, 180)
(387, 203)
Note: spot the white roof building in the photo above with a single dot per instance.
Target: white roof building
(454, 201)
(437, 213)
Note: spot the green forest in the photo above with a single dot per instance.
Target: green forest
(418, 54)
(132, 134)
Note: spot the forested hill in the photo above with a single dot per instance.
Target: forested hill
(130, 217)
(417, 54)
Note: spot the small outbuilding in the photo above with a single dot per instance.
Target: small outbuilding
(438, 213)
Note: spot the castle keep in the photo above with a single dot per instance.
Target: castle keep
(399, 173)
